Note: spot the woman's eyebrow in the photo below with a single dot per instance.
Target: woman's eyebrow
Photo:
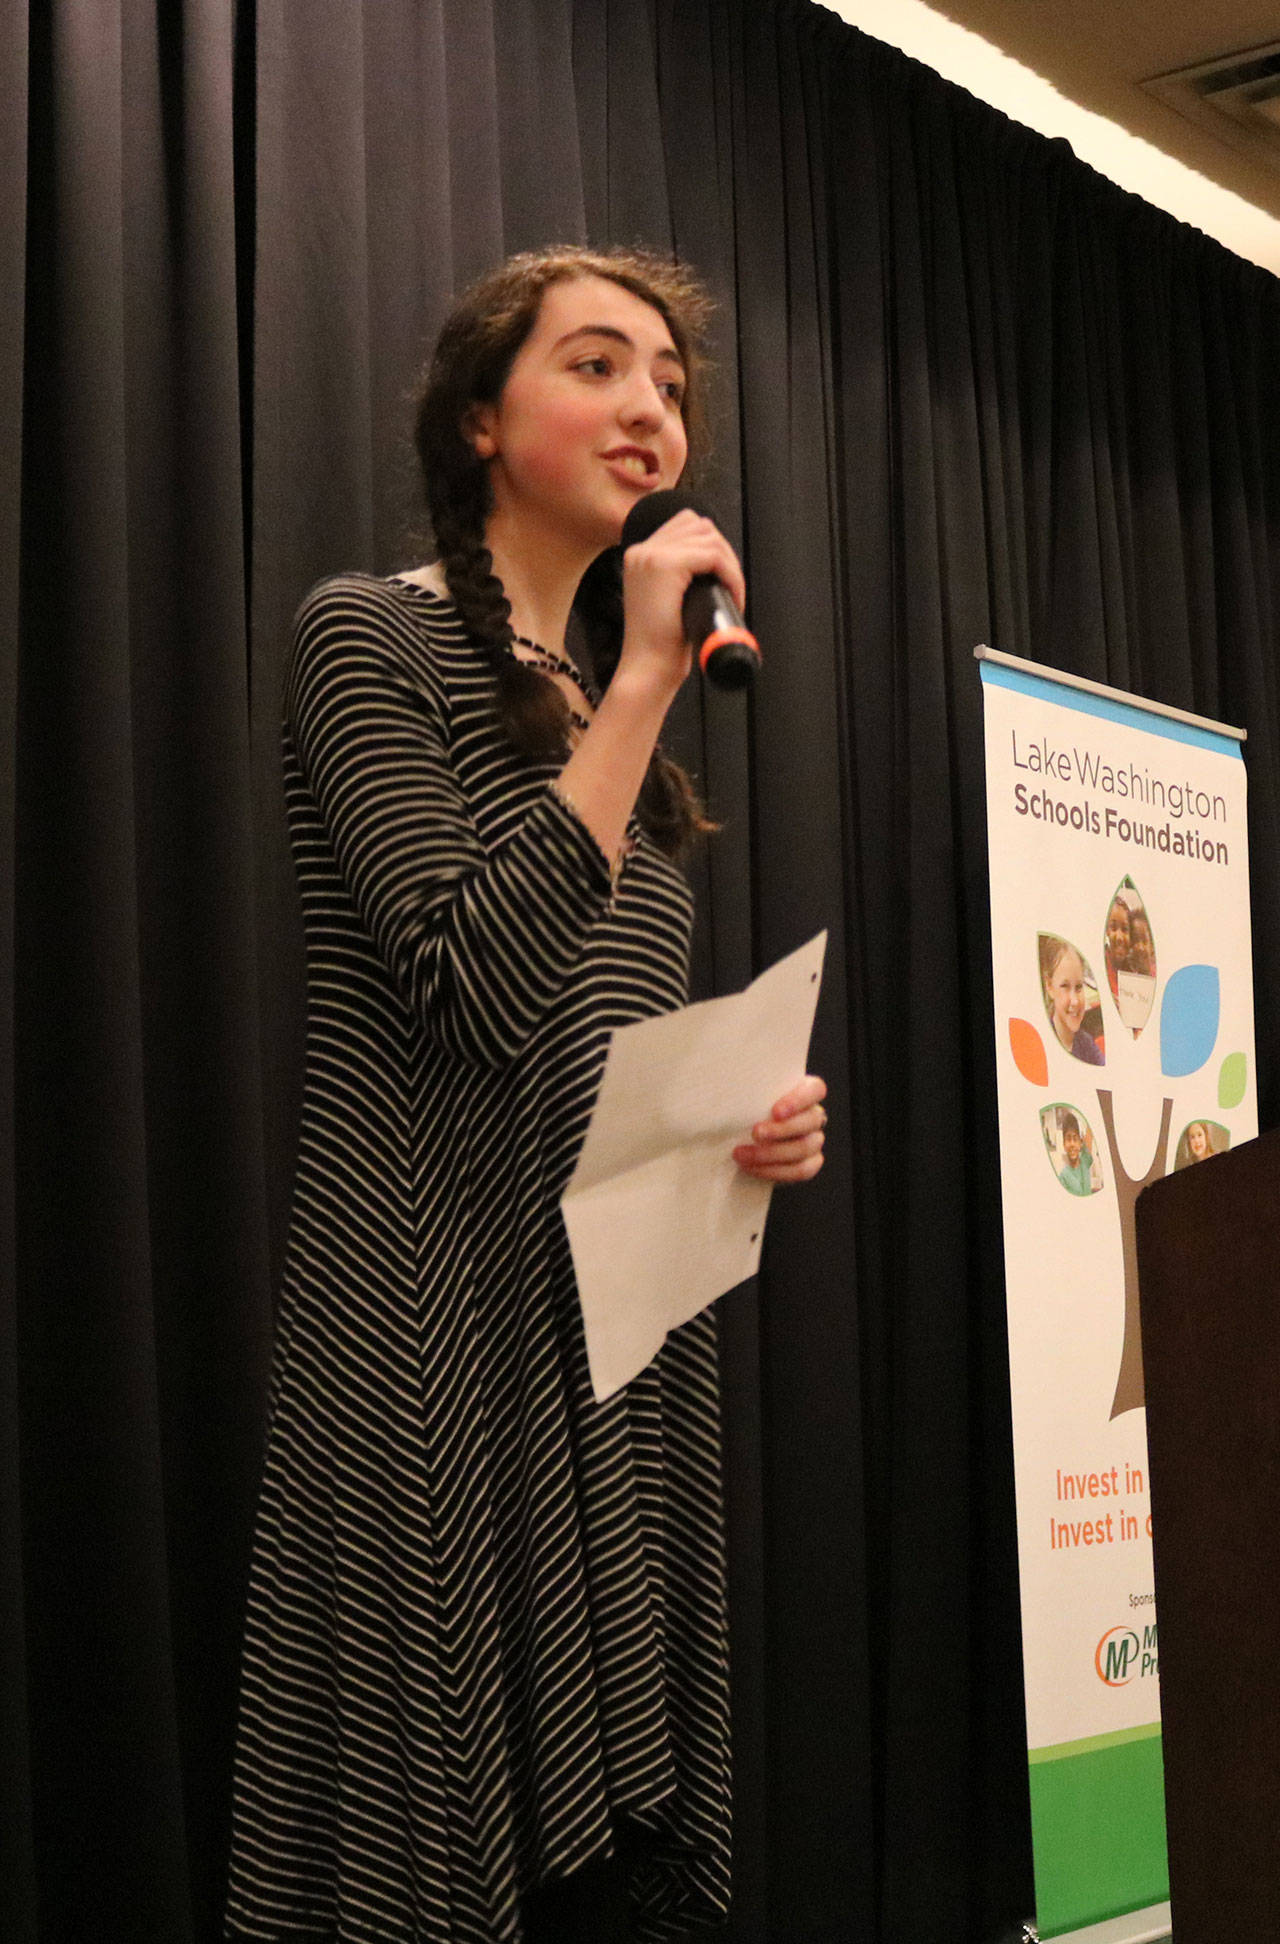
(667, 352)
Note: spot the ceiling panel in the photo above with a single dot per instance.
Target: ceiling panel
(1100, 53)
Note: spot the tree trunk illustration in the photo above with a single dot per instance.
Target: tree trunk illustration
(1130, 1393)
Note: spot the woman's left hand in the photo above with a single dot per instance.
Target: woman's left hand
(788, 1146)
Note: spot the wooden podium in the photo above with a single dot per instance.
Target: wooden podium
(1209, 1269)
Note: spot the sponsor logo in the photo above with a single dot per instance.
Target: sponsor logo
(1123, 1655)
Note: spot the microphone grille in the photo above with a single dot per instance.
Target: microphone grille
(651, 512)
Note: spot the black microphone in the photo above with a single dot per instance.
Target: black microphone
(728, 653)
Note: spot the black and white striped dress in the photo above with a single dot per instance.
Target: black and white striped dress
(486, 1618)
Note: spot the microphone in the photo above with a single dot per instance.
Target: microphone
(728, 653)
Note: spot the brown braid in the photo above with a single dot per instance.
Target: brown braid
(472, 359)
(532, 710)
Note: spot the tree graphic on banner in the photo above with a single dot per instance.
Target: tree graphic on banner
(1189, 1013)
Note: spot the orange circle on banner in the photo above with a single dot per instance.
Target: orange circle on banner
(1028, 1052)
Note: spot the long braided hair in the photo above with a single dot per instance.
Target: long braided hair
(472, 360)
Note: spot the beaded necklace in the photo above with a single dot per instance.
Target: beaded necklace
(549, 664)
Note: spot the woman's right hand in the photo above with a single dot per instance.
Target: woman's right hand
(655, 578)
(603, 775)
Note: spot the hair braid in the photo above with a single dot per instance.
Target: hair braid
(532, 710)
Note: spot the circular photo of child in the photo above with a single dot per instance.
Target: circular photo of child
(1198, 1140)
(1070, 1146)
(1071, 999)
(1129, 955)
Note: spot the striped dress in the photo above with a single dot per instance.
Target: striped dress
(486, 1618)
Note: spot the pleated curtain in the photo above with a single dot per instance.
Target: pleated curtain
(966, 391)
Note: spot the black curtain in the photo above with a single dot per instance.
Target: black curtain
(967, 391)
(137, 1312)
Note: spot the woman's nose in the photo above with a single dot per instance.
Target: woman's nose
(643, 402)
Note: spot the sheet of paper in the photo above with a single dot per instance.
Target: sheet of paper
(661, 1219)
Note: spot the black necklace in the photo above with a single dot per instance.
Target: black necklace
(543, 659)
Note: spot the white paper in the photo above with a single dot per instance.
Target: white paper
(661, 1219)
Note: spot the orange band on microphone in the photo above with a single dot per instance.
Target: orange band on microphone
(721, 639)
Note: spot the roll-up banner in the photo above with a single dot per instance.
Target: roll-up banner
(1124, 1046)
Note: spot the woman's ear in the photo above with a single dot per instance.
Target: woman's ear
(479, 430)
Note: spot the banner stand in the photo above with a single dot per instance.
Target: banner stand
(1151, 1926)
(1122, 980)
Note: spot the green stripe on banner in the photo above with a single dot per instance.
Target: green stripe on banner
(1057, 1751)
(1097, 1827)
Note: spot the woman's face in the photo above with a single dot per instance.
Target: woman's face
(590, 417)
(1065, 987)
(1198, 1141)
(1118, 932)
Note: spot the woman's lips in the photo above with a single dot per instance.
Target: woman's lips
(639, 468)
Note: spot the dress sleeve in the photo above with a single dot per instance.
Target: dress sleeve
(479, 943)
